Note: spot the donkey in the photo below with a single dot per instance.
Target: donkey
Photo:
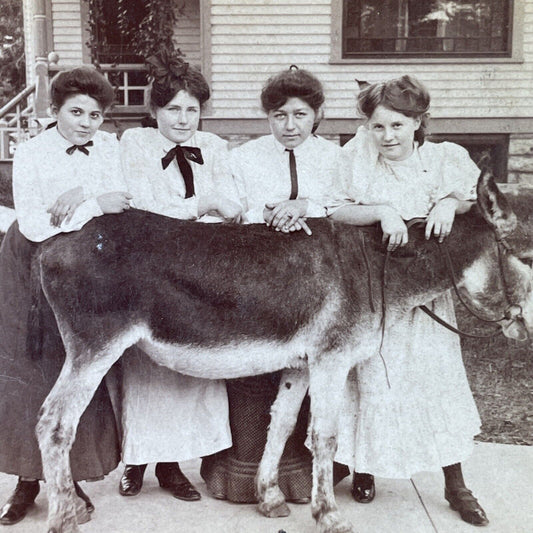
(228, 301)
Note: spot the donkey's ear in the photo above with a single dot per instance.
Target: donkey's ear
(494, 206)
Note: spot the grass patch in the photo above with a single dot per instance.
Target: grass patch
(500, 372)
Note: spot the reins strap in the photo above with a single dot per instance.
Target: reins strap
(454, 329)
(446, 254)
(362, 245)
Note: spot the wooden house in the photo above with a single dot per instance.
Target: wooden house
(476, 57)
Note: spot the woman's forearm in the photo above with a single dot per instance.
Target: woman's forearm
(360, 215)
(463, 206)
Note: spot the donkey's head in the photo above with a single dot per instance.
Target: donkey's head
(500, 281)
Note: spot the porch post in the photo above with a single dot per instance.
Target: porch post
(41, 59)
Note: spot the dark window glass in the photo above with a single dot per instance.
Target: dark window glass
(112, 46)
(429, 28)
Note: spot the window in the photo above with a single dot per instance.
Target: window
(426, 28)
(112, 30)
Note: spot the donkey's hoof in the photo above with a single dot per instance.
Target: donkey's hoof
(82, 514)
(274, 511)
(334, 523)
(73, 528)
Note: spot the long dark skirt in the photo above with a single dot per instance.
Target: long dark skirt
(231, 473)
(25, 381)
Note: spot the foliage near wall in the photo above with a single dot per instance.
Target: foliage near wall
(132, 28)
(12, 62)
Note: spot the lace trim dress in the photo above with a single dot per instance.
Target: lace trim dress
(427, 418)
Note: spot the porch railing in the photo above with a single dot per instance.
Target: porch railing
(16, 124)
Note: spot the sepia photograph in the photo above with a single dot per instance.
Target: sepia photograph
(266, 266)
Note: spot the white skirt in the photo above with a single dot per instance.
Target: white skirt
(427, 418)
(169, 417)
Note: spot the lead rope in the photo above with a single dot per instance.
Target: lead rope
(362, 245)
(454, 329)
(383, 314)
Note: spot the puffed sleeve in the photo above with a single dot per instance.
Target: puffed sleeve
(134, 160)
(223, 179)
(240, 168)
(460, 174)
(31, 206)
(362, 158)
(342, 183)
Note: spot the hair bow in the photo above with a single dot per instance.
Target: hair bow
(166, 64)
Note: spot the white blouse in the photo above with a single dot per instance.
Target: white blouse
(163, 190)
(42, 171)
(262, 173)
(412, 186)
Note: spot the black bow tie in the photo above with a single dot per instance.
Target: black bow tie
(183, 155)
(81, 147)
(190, 152)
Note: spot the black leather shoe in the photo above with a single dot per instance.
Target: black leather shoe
(131, 481)
(84, 497)
(363, 487)
(19, 502)
(463, 501)
(171, 478)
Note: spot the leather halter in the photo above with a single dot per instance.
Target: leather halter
(513, 311)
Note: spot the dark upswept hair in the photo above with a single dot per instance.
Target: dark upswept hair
(292, 83)
(405, 95)
(171, 74)
(81, 80)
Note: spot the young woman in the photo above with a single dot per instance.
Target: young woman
(177, 171)
(62, 178)
(426, 419)
(283, 179)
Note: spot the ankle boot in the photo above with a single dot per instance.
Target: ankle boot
(19, 502)
(363, 487)
(131, 481)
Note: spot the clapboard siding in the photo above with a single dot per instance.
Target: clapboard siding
(188, 33)
(252, 40)
(67, 31)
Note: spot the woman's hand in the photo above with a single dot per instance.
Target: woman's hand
(287, 216)
(114, 202)
(441, 217)
(394, 229)
(65, 205)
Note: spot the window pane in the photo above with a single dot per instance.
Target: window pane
(426, 27)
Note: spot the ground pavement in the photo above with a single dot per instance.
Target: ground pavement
(500, 475)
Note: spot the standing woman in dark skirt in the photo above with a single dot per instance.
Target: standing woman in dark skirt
(62, 178)
(283, 178)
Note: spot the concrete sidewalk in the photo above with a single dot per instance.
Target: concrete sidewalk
(501, 476)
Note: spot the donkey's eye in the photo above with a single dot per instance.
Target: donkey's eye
(527, 261)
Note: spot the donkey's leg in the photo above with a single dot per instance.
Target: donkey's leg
(60, 414)
(284, 413)
(327, 378)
